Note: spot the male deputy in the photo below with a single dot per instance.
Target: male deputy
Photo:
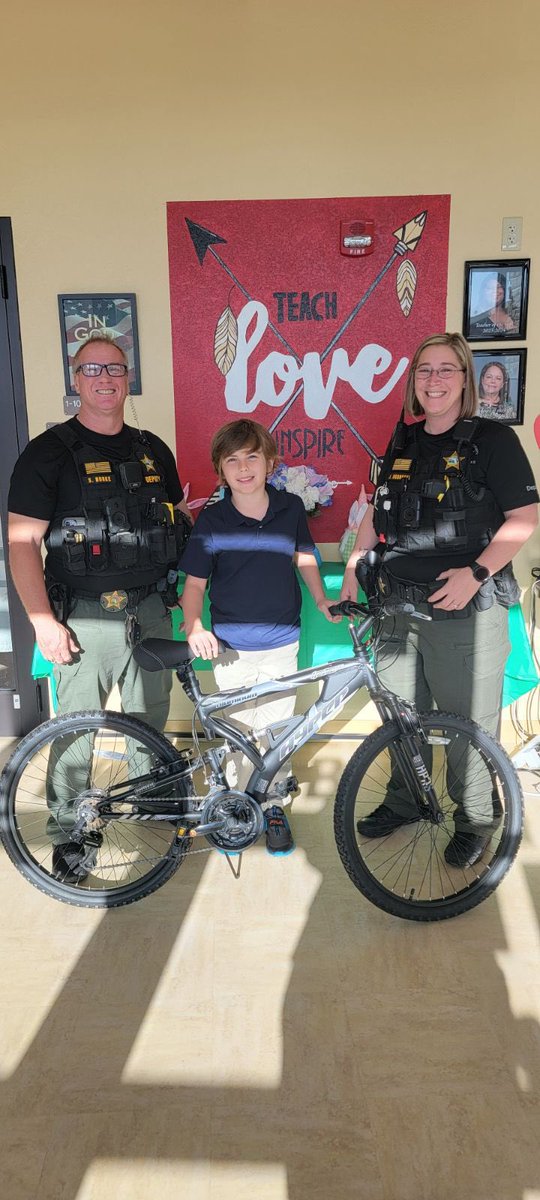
(104, 500)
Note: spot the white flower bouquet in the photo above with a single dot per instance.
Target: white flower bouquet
(315, 491)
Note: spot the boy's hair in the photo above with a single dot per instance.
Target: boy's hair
(240, 435)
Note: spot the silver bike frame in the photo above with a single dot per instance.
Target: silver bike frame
(341, 680)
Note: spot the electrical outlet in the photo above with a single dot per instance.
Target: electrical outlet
(511, 233)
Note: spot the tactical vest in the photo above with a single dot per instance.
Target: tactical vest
(430, 504)
(125, 529)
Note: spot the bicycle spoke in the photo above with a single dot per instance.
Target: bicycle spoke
(404, 868)
(87, 759)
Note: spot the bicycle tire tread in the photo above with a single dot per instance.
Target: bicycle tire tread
(437, 910)
(41, 879)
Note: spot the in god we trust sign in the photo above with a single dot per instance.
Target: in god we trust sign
(281, 313)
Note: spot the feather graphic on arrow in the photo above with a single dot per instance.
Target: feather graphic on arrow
(225, 340)
(406, 279)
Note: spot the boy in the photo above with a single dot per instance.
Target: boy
(247, 545)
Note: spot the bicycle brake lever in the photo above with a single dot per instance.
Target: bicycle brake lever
(391, 608)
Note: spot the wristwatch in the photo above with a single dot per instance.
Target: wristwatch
(480, 573)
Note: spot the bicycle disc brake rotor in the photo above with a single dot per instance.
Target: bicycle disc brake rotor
(243, 817)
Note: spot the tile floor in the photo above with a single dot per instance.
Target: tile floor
(271, 1038)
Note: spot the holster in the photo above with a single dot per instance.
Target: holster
(60, 600)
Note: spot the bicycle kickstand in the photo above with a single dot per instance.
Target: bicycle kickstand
(235, 870)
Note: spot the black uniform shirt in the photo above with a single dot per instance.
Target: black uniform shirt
(45, 484)
(501, 466)
(45, 479)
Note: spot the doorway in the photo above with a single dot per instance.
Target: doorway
(23, 701)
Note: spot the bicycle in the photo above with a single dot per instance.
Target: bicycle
(132, 801)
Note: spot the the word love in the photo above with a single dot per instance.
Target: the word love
(278, 375)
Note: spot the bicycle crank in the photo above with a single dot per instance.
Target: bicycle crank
(231, 820)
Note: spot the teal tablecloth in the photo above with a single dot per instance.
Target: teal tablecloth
(321, 641)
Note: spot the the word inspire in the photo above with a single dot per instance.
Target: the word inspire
(309, 443)
(370, 363)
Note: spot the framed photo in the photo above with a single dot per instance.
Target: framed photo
(495, 299)
(500, 375)
(82, 316)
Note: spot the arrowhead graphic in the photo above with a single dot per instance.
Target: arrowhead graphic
(202, 238)
(410, 233)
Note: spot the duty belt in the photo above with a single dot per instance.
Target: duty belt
(127, 602)
(117, 600)
(119, 597)
(417, 594)
(412, 593)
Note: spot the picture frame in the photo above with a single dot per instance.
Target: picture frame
(113, 314)
(500, 375)
(495, 299)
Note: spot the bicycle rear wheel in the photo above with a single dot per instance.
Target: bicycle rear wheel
(72, 754)
(405, 872)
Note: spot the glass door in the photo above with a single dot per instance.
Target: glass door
(7, 664)
(23, 700)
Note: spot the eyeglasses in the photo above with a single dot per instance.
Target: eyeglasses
(92, 370)
(442, 372)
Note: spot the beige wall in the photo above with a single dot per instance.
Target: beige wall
(109, 110)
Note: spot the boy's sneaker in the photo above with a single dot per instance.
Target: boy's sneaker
(279, 839)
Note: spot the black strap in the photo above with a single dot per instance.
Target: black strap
(76, 444)
(75, 440)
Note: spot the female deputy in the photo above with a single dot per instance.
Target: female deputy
(456, 499)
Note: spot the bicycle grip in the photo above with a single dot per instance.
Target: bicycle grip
(347, 608)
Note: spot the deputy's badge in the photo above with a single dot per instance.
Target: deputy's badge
(148, 463)
(452, 462)
(113, 601)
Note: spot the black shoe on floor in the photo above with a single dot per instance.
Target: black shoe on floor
(381, 821)
(73, 861)
(279, 839)
(465, 849)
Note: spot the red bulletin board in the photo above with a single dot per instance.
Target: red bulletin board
(271, 320)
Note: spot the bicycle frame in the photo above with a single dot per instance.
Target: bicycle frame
(341, 679)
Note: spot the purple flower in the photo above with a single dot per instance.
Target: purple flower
(314, 490)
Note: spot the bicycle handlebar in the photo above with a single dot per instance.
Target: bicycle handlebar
(348, 608)
(388, 608)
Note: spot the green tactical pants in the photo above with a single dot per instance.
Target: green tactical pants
(105, 661)
(455, 665)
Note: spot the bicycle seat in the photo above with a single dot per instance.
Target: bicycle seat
(159, 654)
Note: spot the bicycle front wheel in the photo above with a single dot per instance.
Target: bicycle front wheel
(95, 753)
(405, 871)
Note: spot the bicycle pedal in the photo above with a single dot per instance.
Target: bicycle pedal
(278, 795)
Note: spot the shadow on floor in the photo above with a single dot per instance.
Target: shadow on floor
(404, 1074)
